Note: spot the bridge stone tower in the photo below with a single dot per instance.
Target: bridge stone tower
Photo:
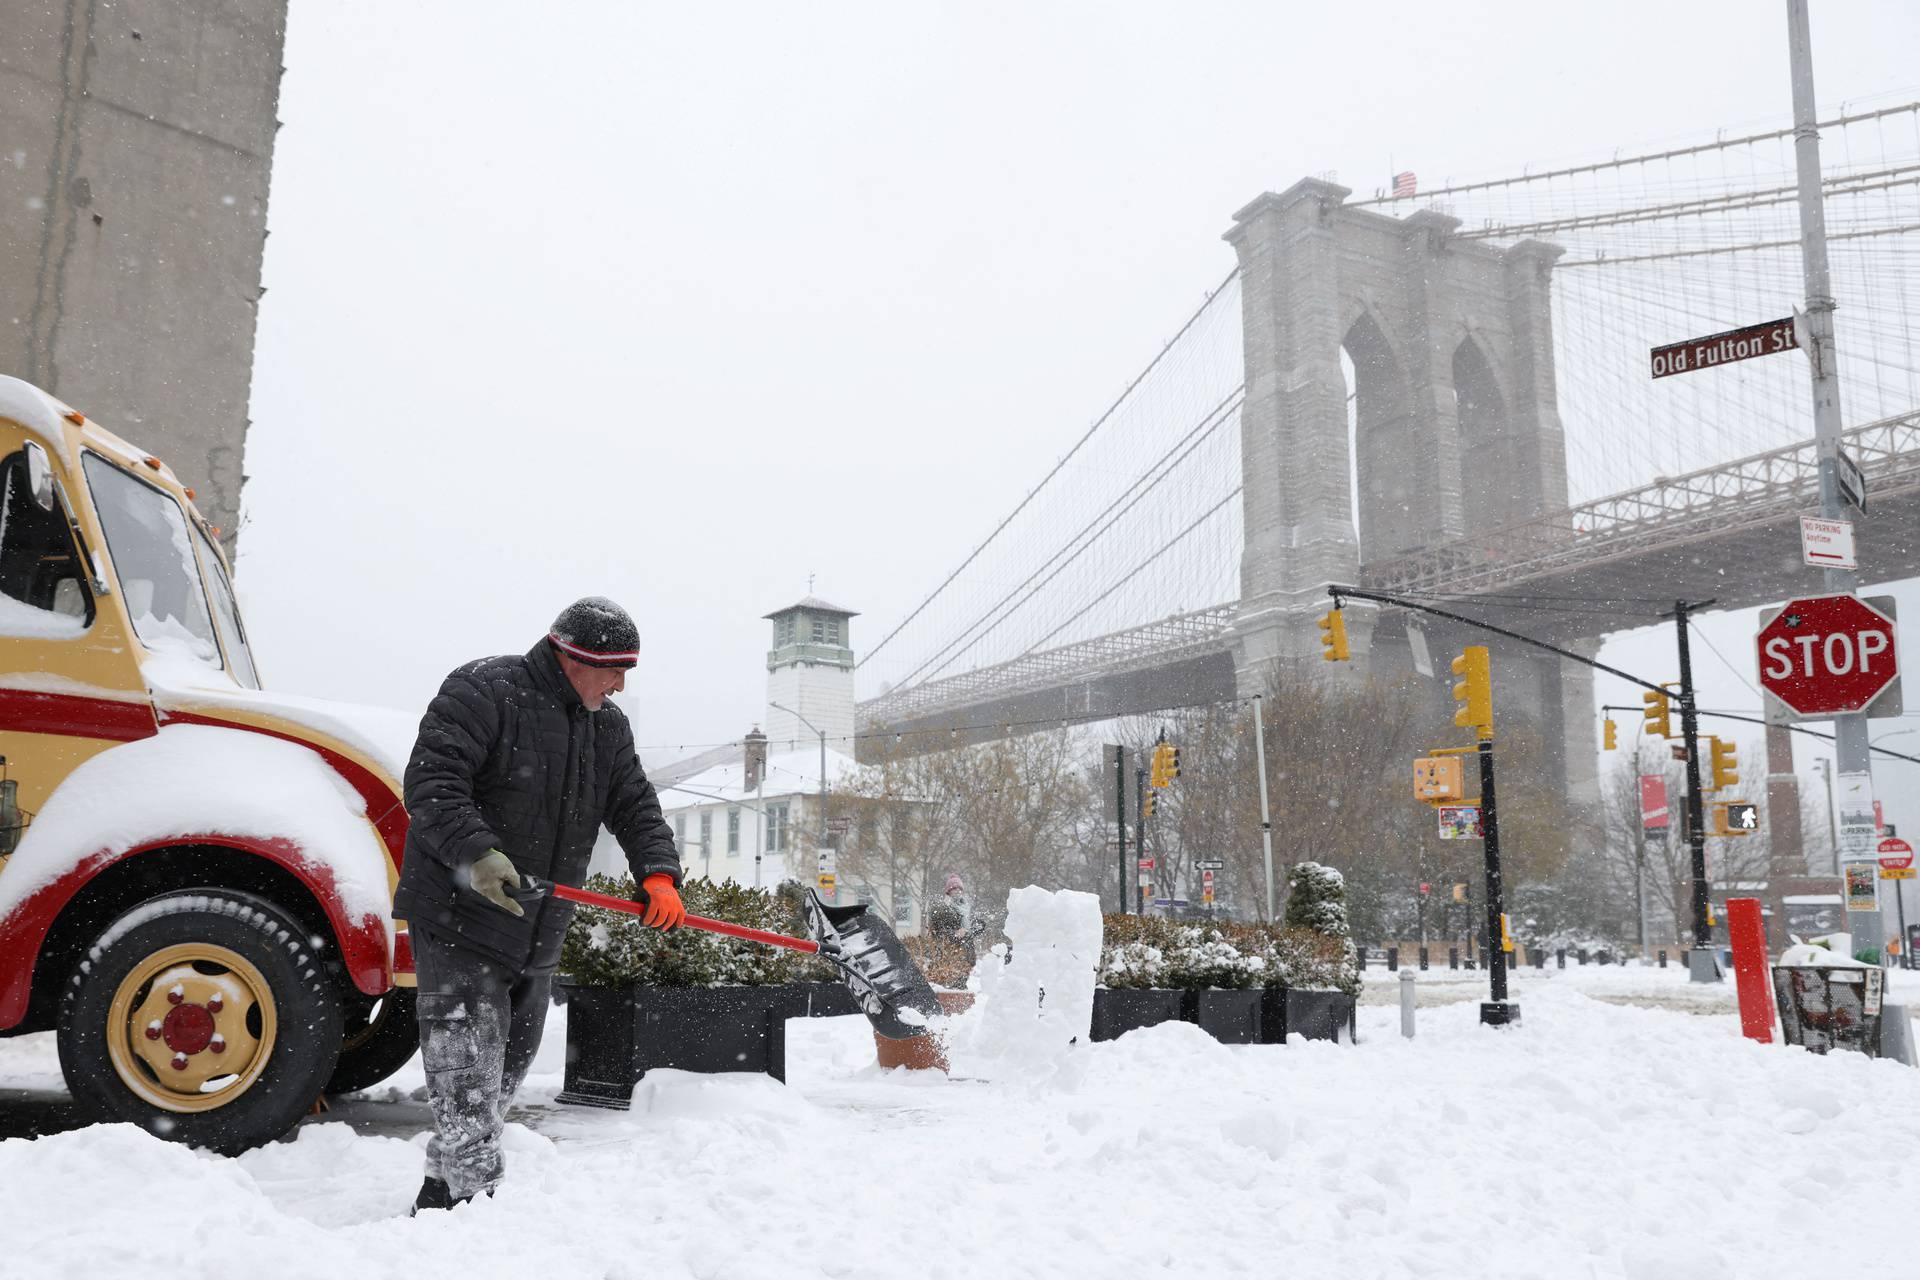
(1457, 428)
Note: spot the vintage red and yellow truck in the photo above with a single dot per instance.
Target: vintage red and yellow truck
(196, 874)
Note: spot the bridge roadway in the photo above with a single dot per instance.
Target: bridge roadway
(1727, 533)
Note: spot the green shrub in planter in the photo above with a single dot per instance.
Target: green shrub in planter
(611, 949)
(1139, 952)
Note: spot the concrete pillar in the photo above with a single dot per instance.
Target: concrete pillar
(1538, 456)
(1419, 495)
(1299, 532)
(135, 146)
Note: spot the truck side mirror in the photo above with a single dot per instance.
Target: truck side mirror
(39, 476)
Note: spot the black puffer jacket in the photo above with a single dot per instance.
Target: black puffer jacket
(509, 758)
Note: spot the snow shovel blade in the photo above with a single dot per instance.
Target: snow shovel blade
(875, 965)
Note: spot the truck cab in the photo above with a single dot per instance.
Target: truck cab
(196, 874)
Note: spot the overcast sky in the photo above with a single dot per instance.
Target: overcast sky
(682, 304)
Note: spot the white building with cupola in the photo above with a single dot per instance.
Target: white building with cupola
(751, 810)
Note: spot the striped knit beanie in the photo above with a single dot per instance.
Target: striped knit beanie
(596, 631)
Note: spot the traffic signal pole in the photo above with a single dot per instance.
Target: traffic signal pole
(1852, 751)
(1497, 1012)
(1702, 964)
(1120, 821)
(1140, 837)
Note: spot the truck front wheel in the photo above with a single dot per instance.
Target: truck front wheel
(205, 1017)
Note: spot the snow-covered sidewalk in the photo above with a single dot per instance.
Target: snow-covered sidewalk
(1598, 1139)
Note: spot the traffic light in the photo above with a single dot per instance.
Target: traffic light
(1459, 893)
(1439, 780)
(1333, 637)
(1609, 734)
(1725, 760)
(1146, 805)
(1474, 693)
(1166, 765)
(1659, 713)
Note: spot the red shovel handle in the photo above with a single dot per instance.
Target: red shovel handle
(592, 899)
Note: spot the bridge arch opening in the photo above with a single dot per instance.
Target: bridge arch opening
(1379, 427)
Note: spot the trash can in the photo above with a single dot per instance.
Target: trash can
(1826, 1007)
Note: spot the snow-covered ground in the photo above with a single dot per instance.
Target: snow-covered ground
(1624, 1129)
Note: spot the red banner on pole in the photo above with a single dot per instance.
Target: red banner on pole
(1747, 931)
(1653, 801)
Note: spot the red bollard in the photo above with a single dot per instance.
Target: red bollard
(1747, 932)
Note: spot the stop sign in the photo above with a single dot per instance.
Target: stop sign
(1826, 654)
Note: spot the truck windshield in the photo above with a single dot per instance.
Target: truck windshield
(233, 635)
(153, 556)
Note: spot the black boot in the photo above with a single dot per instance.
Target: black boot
(434, 1194)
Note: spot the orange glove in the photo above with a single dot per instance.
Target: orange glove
(664, 908)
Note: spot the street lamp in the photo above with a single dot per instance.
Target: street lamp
(823, 765)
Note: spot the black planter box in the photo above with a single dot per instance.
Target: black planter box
(1231, 1017)
(825, 999)
(1317, 1015)
(615, 1035)
(1118, 1010)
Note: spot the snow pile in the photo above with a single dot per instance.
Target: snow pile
(1832, 951)
(1175, 1157)
(1035, 992)
(195, 780)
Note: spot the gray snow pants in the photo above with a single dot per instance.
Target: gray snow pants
(480, 1025)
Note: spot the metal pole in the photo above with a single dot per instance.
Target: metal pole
(1852, 750)
(1640, 884)
(1497, 1012)
(1266, 818)
(1140, 835)
(1120, 819)
(1702, 963)
(759, 829)
(1900, 905)
(1833, 822)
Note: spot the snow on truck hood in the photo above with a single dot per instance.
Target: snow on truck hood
(383, 735)
(191, 780)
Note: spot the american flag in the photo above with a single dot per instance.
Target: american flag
(1405, 185)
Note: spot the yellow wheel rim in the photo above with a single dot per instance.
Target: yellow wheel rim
(191, 1027)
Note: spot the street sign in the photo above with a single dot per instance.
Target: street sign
(1208, 864)
(1146, 864)
(1828, 543)
(1853, 804)
(1853, 481)
(1896, 855)
(1822, 655)
(1766, 339)
(1460, 822)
